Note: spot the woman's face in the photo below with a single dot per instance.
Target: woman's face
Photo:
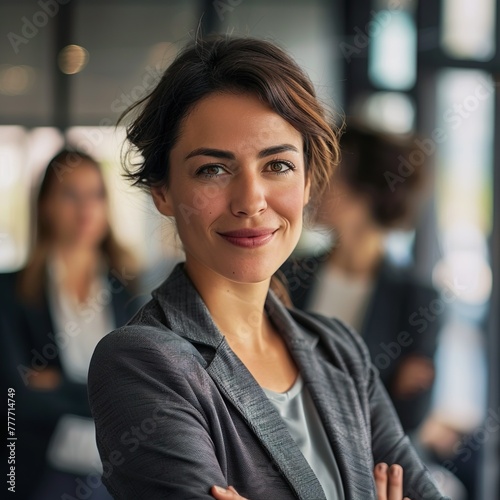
(237, 187)
(75, 207)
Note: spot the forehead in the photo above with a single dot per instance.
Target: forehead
(239, 122)
(79, 174)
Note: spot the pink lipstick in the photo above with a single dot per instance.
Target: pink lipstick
(248, 237)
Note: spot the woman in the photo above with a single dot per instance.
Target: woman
(190, 396)
(356, 282)
(75, 288)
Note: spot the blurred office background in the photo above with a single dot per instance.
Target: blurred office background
(429, 67)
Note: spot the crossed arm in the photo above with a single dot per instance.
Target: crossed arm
(389, 482)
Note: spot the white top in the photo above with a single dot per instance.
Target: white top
(299, 413)
(79, 327)
(337, 294)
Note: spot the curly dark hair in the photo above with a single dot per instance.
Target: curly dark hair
(375, 165)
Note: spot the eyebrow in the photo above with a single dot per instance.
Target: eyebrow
(227, 155)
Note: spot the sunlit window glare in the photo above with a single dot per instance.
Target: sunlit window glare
(465, 117)
(393, 50)
(468, 28)
(392, 112)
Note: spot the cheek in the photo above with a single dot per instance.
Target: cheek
(101, 212)
(289, 203)
(62, 217)
(101, 219)
(197, 208)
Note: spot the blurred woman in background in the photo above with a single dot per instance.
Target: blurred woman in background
(76, 287)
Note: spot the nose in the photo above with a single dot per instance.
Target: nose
(249, 195)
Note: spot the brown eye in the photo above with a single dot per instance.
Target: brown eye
(280, 167)
(210, 171)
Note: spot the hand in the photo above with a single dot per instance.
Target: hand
(225, 494)
(389, 482)
(415, 374)
(440, 436)
(46, 379)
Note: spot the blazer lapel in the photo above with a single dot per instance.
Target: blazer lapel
(240, 387)
(336, 400)
(338, 405)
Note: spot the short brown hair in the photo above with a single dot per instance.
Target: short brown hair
(228, 64)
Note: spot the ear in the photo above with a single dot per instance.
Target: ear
(163, 200)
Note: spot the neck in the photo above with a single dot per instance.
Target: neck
(82, 264)
(236, 308)
(360, 252)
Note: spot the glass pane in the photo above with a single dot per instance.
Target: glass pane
(128, 49)
(307, 30)
(464, 142)
(393, 50)
(465, 120)
(25, 64)
(468, 28)
(23, 155)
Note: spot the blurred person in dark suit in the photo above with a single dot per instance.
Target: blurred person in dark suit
(355, 280)
(77, 286)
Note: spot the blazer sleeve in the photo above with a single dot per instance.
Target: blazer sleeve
(153, 438)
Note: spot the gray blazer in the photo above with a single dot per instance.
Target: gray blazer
(176, 411)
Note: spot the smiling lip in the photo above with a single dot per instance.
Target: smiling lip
(249, 238)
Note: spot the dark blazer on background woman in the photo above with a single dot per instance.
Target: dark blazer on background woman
(176, 411)
(395, 324)
(27, 341)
